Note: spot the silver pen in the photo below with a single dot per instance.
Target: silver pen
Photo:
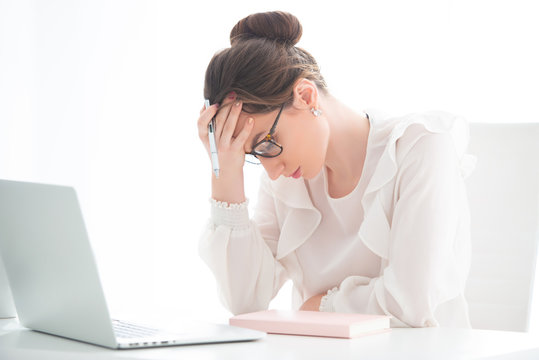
(213, 145)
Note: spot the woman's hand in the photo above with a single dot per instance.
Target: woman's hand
(230, 150)
(313, 304)
(229, 186)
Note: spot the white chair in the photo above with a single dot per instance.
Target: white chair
(7, 308)
(503, 193)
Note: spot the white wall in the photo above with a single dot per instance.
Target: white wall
(104, 96)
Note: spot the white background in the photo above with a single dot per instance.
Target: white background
(104, 96)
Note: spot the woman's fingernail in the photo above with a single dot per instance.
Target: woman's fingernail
(250, 121)
(238, 103)
(232, 95)
(216, 104)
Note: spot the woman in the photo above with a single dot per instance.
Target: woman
(365, 213)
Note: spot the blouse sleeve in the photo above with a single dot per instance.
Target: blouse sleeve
(428, 257)
(241, 254)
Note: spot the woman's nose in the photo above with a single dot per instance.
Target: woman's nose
(273, 167)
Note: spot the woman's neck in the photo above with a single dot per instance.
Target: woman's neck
(347, 146)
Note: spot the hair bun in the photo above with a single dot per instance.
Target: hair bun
(280, 26)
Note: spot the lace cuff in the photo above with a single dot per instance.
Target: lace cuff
(326, 304)
(233, 215)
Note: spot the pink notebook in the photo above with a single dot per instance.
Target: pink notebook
(313, 323)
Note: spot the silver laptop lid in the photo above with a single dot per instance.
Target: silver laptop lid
(50, 264)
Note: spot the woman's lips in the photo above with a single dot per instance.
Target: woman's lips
(297, 173)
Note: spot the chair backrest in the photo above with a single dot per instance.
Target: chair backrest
(7, 308)
(503, 193)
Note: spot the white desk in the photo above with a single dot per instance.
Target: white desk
(430, 343)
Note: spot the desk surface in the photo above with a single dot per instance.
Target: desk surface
(427, 343)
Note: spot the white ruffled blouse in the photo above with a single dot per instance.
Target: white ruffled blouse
(398, 244)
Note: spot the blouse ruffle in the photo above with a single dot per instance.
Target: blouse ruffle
(374, 231)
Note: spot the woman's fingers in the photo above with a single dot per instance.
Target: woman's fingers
(230, 124)
(203, 121)
(239, 141)
(222, 117)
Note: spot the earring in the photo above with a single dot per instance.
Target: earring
(316, 112)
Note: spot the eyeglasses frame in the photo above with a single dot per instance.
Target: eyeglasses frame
(269, 138)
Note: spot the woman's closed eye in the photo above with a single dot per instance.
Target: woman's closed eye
(275, 137)
(258, 138)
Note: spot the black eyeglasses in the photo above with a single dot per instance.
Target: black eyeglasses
(266, 147)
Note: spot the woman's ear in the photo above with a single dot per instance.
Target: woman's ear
(305, 95)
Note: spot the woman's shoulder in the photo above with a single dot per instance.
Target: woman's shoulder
(428, 131)
(403, 131)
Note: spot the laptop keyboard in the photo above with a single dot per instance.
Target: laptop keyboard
(126, 330)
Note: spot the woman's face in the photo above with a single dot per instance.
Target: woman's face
(303, 136)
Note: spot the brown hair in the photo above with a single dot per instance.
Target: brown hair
(262, 65)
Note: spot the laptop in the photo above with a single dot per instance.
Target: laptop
(54, 277)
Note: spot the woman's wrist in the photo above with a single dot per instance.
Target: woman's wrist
(228, 187)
